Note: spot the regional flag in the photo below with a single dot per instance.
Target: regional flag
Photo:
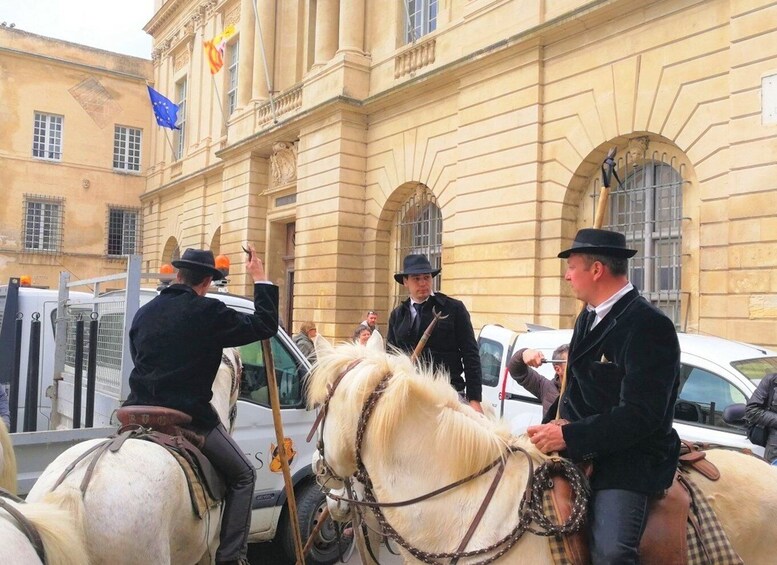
(165, 111)
(215, 48)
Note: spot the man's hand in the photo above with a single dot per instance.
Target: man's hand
(475, 405)
(533, 357)
(548, 437)
(254, 265)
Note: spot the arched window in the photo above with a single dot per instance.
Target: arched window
(419, 231)
(647, 209)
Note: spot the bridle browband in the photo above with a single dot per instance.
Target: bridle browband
(529, 507)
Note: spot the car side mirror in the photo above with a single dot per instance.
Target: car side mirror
(734, 415)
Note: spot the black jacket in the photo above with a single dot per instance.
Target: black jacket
(758, 412)
(622, 385)
(176, 341)
(451, 347)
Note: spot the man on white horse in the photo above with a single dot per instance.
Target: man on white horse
(623, 374)
(452, 346)
(176, 341)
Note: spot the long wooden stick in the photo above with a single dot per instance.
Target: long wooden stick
(424, 338)
(311, 538)
(601, 211)
(275, 404)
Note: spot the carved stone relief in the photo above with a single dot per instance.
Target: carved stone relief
(283, 163)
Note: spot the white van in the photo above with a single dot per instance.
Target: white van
(254, 429)
(715, 373)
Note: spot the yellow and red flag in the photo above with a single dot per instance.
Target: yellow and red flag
(215, 48)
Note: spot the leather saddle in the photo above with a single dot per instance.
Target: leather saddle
(167, 427)
(664, 541)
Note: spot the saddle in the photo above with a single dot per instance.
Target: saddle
(665, 540)
(166, 427)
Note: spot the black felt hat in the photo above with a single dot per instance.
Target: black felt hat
(415, 265)
(599, 242)
(199, 260)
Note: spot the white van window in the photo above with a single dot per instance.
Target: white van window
(490, 360)
(288, 373)
(703, 396)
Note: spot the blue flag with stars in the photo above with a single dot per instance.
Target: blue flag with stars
(165, 111)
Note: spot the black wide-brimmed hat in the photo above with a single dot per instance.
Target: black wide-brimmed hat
(599, 242)
(199, 260)
(415, 265)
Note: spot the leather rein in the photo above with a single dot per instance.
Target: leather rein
(26, 527)
(527, 508)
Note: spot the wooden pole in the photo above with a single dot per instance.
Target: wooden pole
(311, 538)
(275, 404)
(601, 210)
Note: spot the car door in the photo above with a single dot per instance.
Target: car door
(706, 389)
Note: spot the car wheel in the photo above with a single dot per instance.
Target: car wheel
(328, 545)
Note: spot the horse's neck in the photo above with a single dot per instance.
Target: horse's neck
(224, 394)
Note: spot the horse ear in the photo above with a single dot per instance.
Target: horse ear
(376, 341)
(321, 345)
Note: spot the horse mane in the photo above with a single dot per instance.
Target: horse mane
(63, 540)
(7, 461)
(416, 394)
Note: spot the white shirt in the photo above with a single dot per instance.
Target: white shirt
(604, 308)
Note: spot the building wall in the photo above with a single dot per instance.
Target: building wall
(93, 90)
(504, 113)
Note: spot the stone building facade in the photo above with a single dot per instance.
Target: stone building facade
(74, 125)
(474, 131)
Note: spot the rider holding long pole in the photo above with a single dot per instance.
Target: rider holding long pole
(617, 405)
(452, 346)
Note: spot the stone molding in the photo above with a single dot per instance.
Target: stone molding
(414, 58)
(283, 163)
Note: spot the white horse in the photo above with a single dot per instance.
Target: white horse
(420, 438)
(56, 521)
(7, 461)
(137, 507)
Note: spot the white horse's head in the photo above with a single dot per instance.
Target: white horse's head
(226, 386)
(417, 409)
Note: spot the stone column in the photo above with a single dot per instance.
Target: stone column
(326, 30)
(352, 26)
(266, 11)
(246, 63)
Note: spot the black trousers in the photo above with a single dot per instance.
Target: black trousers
(239, 474)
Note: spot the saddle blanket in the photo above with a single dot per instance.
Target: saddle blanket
(712, 537)
(202, 501)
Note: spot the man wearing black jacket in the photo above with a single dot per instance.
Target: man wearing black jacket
(452, 347)
(176, 342)
(622, 379)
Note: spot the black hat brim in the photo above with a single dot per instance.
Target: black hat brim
(399, 276)
(212, 271)
(617, 252)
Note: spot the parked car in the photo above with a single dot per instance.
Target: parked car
(715, 373)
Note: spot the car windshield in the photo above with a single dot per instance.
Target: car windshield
(756, 369)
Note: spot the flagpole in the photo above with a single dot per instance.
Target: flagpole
(218, 99)
(167, 136)
(264, 59)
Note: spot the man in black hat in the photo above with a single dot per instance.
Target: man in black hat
(176, 342)
(452, 346)
(622, 377)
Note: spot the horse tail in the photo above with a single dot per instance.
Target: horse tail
(61, 526)
(7, 461)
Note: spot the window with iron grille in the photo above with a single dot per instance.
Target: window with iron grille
(179, 135)
(126, 148)
(47, 137)
(122, 231)
(647, 209)
(42, 224)
(232, 78)
(421, 18)
(419, 232)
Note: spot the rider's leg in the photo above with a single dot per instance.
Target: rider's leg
(618, 519)
(240, 476)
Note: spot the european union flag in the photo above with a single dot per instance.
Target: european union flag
(165, 111)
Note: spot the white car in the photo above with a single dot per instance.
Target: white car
(715, 373)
